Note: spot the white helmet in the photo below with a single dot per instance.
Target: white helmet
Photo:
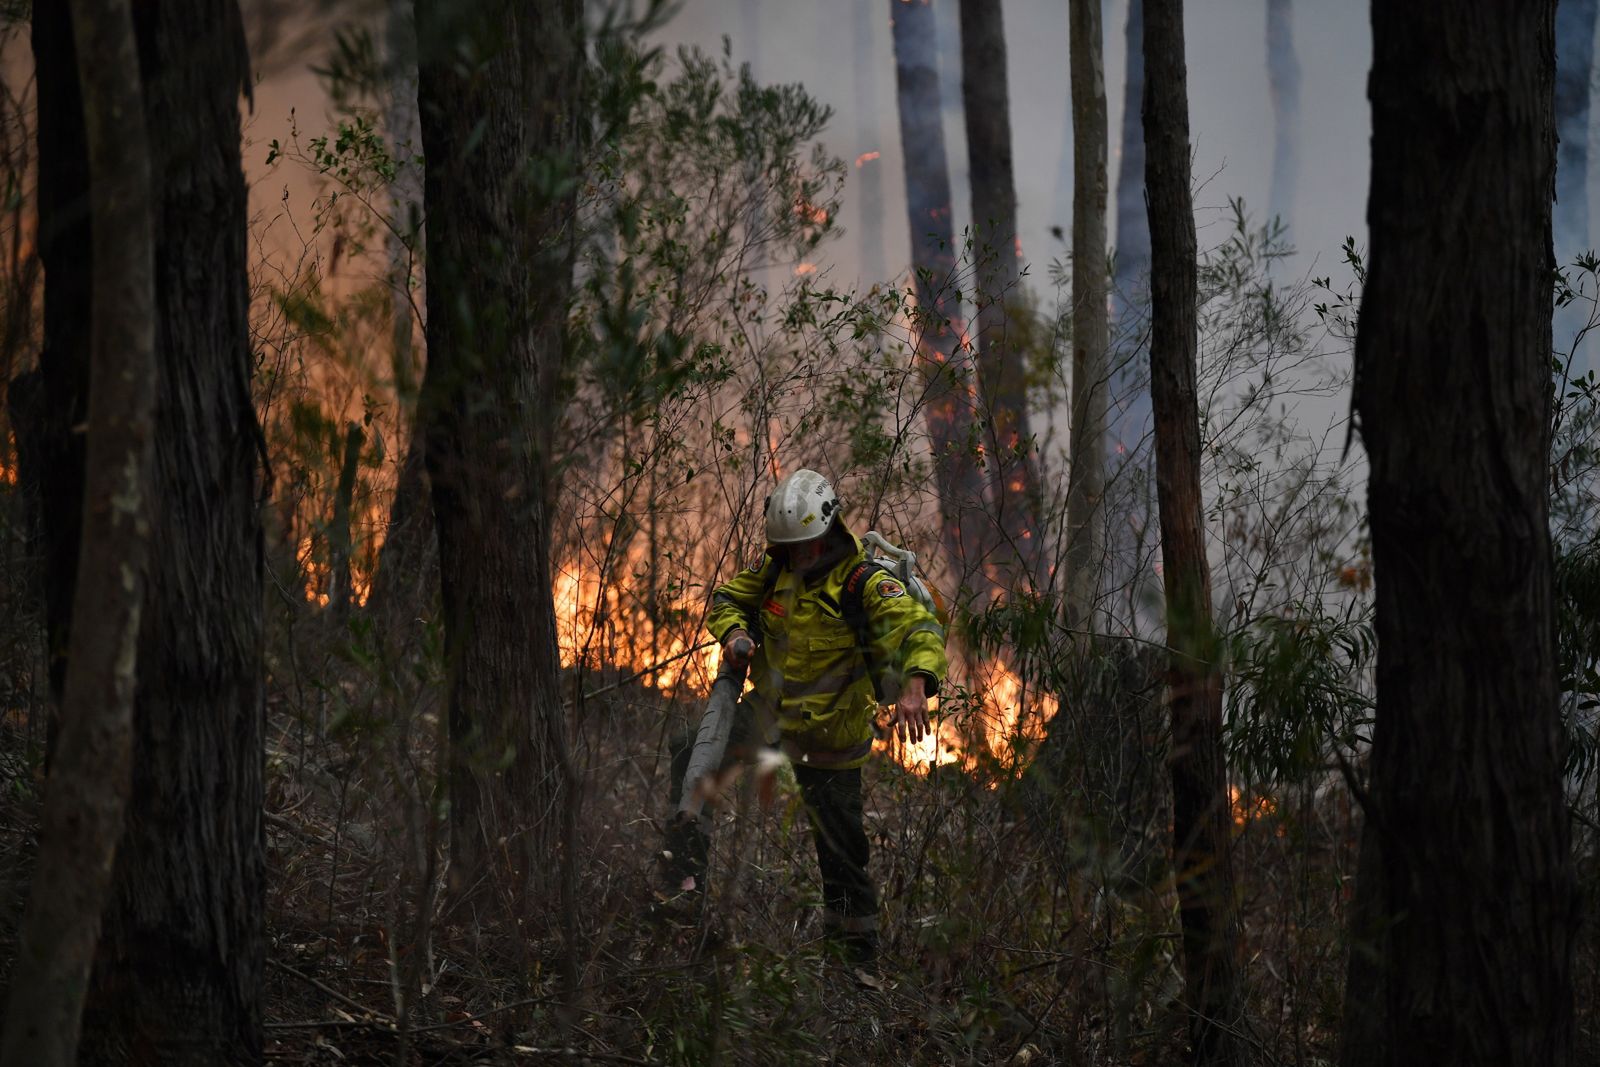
(801, 508)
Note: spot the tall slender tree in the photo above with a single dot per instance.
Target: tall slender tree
(1465, 802)
(89, 777)
(1200, 815)
(1002, 370)
(407, 566)
(869, 142)
(1130, 399)
(945, 362)
(1086, 485)
(1283, 78)
(499, 98)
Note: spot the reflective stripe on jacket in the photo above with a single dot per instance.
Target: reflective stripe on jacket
(808, 671)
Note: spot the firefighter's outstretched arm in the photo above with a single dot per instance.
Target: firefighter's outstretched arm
(736, 607)
(908, 650)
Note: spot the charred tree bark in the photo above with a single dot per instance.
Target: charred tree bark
(89, 778)
(1201, 826)
(1453, 398)
(1002, 371)
(177, 978)
(1283, 77)
(1086, 486)
(499, 100)
(945, 363)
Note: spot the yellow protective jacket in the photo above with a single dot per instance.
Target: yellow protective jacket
(809, 672)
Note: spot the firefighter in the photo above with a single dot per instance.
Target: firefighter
(828, 636)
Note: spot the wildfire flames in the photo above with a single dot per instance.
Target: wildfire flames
(990, 711)
(987, 713)
(597, 623)
(1248, 807)
(866, 157)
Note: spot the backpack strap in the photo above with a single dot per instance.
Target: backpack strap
(852, 606)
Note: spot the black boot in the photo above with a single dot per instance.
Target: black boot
(684, 855)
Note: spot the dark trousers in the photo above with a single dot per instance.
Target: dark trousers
(833, 803)
(833, 806)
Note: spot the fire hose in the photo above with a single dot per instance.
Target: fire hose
(716, 727)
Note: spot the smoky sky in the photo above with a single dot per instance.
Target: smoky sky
(1230, 111)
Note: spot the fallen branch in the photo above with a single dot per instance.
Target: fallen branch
(636, 675)
(330, 991)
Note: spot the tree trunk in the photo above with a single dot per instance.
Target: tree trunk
(1283, 78)
(1453, 398)
(177, 978)
(340, 542)
(1200, 824)
(66, 249)
(1085, 560)
(1002, 369)
(869, 144)
(89, 777)
(407, 573)
(1130, 398)
(501, 139)
(945, 363)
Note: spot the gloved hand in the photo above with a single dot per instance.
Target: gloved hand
(737, 647)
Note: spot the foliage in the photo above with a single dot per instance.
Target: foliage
(1298, 691)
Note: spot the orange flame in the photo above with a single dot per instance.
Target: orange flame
(1000, 718)
(597, 622)
(866, 157)
(1248, 807)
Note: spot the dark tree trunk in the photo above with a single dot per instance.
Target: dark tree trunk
(1283, 77)
(1086, 486)
(1200, 813)
(1002, 370)
(67, 252)
(178, 975)
(87, 794)
(407, 574)
(499, 101)
(944, 361)
(1453, 398)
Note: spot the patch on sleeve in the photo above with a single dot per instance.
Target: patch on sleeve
(889, 588)
(759, 562)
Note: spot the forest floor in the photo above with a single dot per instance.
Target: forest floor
(1001, 944)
